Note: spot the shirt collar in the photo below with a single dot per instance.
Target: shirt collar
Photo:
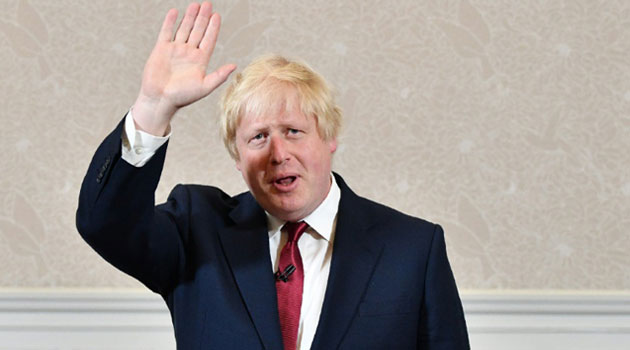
(322, 219)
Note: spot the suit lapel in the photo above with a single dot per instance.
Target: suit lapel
(355, 255)
(246, 247)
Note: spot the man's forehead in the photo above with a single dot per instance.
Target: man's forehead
(283, 106)
(272, 98)
(275, 117)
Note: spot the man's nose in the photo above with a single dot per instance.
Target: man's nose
(278, 149)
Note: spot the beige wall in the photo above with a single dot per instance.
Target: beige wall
(508, 122)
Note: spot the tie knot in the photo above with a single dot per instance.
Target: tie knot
(295, 230)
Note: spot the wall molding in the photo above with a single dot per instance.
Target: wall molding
(136, 319)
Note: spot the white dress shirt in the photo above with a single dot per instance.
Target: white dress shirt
(315, 245)
(138, 146)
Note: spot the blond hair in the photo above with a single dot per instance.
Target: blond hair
(263, 84)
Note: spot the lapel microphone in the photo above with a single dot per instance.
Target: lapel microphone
(284, 276)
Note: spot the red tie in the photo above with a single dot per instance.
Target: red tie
(289, 285)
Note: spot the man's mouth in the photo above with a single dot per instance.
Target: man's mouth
(285, 183)
(285, 180)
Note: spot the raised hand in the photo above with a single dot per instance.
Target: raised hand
(175, 73)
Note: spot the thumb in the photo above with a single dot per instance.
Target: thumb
(216, 78)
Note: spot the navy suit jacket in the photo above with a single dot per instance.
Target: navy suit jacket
(207, 254)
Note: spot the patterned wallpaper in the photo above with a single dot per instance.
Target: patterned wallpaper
(507, 122)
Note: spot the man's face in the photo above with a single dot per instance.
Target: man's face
(284, 161)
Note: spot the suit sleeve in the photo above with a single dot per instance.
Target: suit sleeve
(442, 323)
(117, 216)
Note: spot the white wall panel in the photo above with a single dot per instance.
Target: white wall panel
(116, 320)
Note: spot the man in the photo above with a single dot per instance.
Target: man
(297, 262)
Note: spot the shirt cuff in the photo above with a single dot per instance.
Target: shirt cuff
(138, 147)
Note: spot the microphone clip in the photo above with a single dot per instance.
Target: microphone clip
(284, 276)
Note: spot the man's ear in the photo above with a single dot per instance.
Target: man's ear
(333, 145)
(237, 159)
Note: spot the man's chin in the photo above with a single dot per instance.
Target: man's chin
(287, 212)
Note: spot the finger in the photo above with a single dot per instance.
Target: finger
(216, 78)
(166, 33)
(187, 23)
(210, 36)
(201, 23)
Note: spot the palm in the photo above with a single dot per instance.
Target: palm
(175, 73)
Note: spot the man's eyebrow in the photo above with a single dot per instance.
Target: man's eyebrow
(256, 130)
(293, 122)
(257, 127)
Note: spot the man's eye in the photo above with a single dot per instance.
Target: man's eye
(294, 131)
(258, 139)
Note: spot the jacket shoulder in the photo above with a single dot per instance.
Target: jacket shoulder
(381, 214)
(204, 197)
